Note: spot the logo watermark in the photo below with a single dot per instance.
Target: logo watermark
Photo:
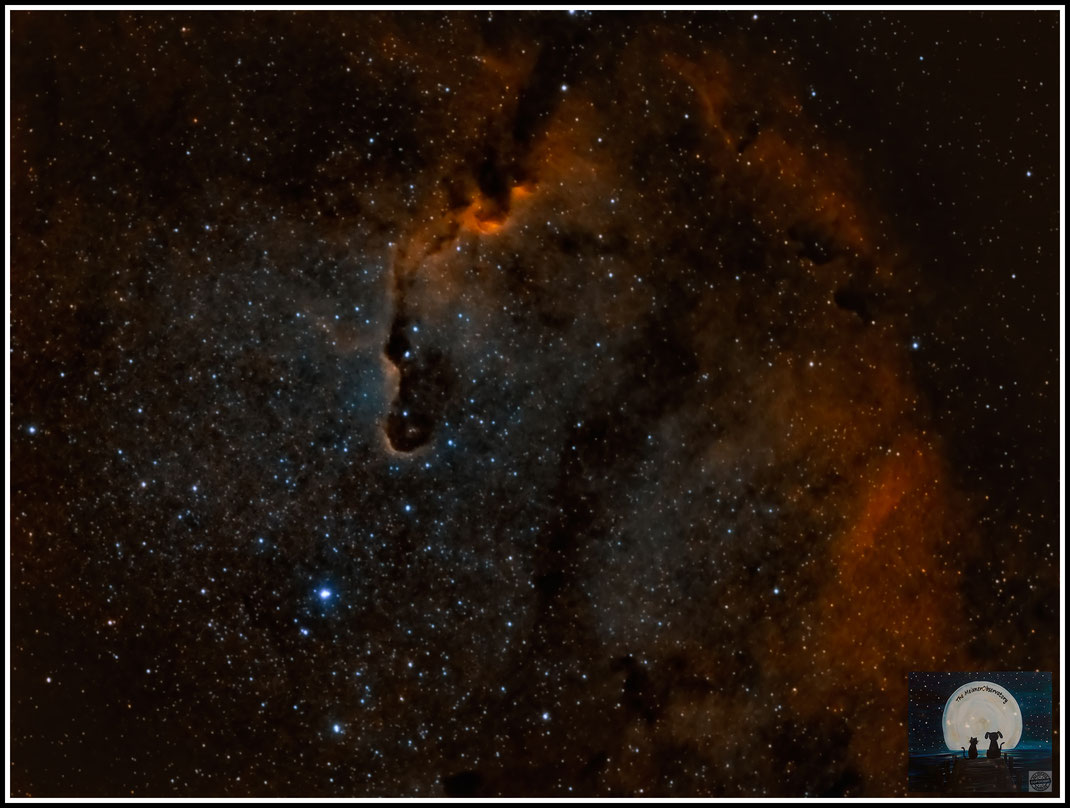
(1040, 781)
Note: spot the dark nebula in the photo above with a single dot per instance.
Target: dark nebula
(493, 403)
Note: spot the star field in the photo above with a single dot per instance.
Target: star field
(524, 404)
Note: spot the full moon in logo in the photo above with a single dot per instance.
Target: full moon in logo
(977, 708)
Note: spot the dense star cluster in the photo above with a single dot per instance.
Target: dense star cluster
(492, 403)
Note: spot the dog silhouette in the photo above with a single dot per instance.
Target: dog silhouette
(994, 745)
(973, 749)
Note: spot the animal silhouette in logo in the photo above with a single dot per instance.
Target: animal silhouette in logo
(973, 749)
(994, 746)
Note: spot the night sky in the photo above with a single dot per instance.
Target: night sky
(496, 403)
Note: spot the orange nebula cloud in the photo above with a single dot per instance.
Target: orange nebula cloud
(486, 217)
(889, 607)
(883, 605)
(791, 182)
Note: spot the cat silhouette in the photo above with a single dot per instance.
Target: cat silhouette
(973, 749)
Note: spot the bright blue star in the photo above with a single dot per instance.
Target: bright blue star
(324, 594)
